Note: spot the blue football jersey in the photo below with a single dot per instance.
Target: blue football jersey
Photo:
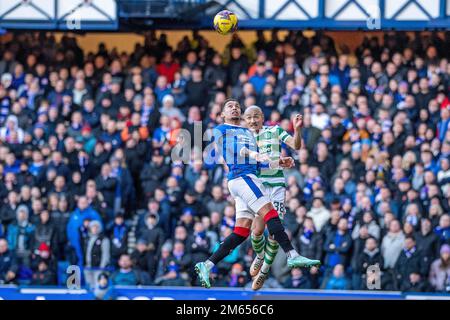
(230, 140)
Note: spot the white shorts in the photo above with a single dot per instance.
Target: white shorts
(249, 194)
(277, 197)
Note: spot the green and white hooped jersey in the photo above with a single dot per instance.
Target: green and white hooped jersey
(269, 142)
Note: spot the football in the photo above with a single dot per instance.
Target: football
(225, 22)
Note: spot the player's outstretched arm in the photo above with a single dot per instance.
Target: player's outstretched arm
(295, 142)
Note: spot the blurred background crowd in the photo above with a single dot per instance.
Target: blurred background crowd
(86, 175)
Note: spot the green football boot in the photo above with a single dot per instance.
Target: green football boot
(203, 274)
(300, 262)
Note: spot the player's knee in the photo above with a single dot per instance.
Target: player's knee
(258, 227)
(268, 207)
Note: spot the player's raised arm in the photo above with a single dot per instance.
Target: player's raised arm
(295, 142)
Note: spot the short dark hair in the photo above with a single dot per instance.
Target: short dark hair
(373, 238)
(230, 100)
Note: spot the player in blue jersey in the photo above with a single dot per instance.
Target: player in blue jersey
(237, 147)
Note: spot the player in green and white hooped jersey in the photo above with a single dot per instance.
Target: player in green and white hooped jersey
(269, 141)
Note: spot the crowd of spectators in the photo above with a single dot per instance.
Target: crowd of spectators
(86, 175)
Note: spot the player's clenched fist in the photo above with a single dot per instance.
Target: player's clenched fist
(286, 162)
(298, 122)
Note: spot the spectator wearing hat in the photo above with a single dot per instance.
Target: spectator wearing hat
(43, 253)
(11, 132)
(20, 234)
(169, 109)
(440, 270)
(97, 252)
(165, 258)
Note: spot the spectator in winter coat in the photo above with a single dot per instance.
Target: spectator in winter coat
(140, 256)
(337, 246)
(20, 235)
(81, 213)
(370, 256)
(153, 173)
(97, 252)
(427, 241)
(440, 270)
(392, 244)
(9, 209)
(409, 261)
(154, 236)
(118, 233)
(319, 213)
(369, 222)
(107, 185)
(191, 204)
(45, 232)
